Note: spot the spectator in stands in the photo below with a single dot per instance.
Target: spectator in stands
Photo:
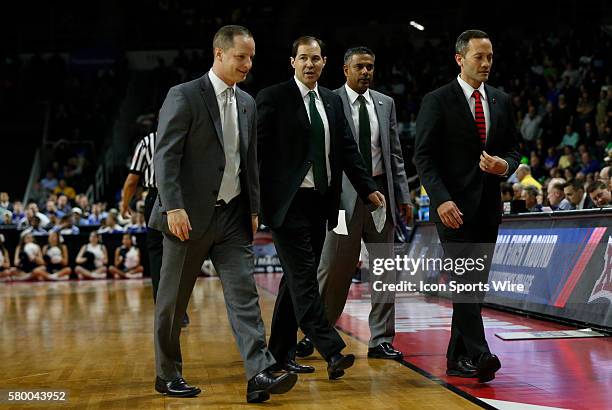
(518, 190)
(556, 197)
(5, 260)
(588, 165)
(18, 212)
(63, 205)
(77, 217)
(7, 218)
(137, 223)
(551, 159)
(507, 193)
(51, 209)
(96, 216)
(27, 218)
(601, 116)
(604, 174)
(5, 204)
(127, 259)
(28, 256)
(570, 138)
(565, 161)
(523, 174)
(537, 171)
(55, 255)
(49, 182)
(600, 194)
(110, 225)
(92, 259)
(591, 136)
(35, 228)
(530, 127)
(530, 196)
(83, 202)
(574, 193)
(67, 226)
(63, 188)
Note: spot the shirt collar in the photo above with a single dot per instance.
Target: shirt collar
(353, 95)
(218, 84)
(468, 90)
(304, 90)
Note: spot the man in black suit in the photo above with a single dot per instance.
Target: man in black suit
(466, 139)
(304, 145)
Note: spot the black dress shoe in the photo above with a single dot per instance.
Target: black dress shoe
(304, 348)
(384, 351)
(176, 388)
(293, 367)
(463, 367)
(337, 364)
(265, 383)
(487, 365)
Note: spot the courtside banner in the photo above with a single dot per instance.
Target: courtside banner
(563, 266)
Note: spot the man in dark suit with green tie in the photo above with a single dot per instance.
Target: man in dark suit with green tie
(304, 146)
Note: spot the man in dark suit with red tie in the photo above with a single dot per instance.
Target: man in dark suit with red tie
(304, 145)
(466, 141)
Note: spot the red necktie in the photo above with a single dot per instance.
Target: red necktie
(479, 117)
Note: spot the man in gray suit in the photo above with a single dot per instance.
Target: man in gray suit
(371, 117)
(208, 204)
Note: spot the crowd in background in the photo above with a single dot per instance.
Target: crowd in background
(560, 85)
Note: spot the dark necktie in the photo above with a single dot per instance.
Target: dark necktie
(479, 117)
(365, 134)
(317, 131)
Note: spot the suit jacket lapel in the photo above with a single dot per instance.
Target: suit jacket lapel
(383, 125)
(465, 108)
(298, 100)
(346, 104)
(493, 113)
(330, 118)
(210, 99)
(243, 130)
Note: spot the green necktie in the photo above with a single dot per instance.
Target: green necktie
(365, 134)
(317, 131)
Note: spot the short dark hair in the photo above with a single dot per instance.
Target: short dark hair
(575, 184)
(506, 188)
(593, 186)
(531, 190)
(464, 38)
(224, 37)
(307, 40)
(357, 50)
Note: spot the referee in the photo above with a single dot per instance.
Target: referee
(142, 167)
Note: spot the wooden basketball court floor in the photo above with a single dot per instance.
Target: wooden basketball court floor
(94, 340)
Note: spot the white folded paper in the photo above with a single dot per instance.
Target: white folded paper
(341, 228)
(379, 216)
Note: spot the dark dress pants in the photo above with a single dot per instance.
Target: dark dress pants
(299, 242)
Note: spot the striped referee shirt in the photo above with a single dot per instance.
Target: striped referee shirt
(142, 161)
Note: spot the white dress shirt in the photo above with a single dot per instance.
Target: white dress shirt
(377, 160)
(468, 90)
(308, 181)
(232, 181)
